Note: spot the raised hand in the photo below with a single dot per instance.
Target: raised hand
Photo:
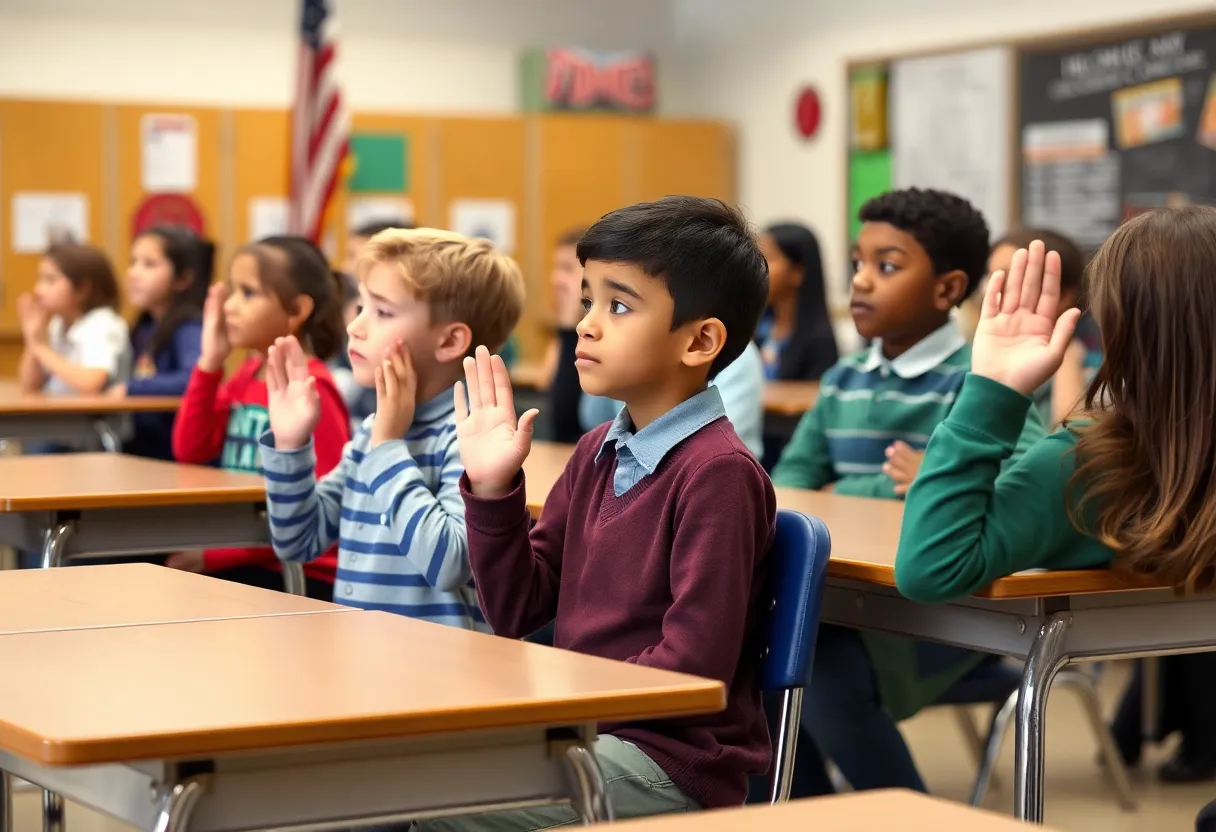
(1020, 341)
(215, 347)
(396, 395)
(34, 319)
(294, 404)
(493, 445)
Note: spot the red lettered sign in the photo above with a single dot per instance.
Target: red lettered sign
(578, 79)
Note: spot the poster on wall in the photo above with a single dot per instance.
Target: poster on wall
(491, 219)
(43, 218)
(572, 78)
(950, 127)
(268, 215)
(364, 209)
(168, 153)
(1114, 129)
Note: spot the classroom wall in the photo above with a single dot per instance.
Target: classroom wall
(449, 56)
(746, 67)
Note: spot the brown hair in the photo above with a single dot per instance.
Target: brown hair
(1145, 462)
(570, 236)
(292, 266)
(87, 269)
(461, 279)
(1072, 259)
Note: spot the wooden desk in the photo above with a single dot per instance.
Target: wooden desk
(1046, 619)
(790, 398)
(35, 416)
(124, 595)
(106, 504)
(289, 720)
(854, 812)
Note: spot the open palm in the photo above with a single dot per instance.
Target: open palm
(292, 395)
(1020, 341)
(493, 445)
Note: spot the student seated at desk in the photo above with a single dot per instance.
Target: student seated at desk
(167, 282)
(393, 503)
(1128, 484)
(75, 340)
(795, 335)
(919, 254)
(278, 286)
(633, 553)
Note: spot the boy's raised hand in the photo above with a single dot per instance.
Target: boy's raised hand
(396, 395)
(294, 404)
(493, 445)
(215, 347)
(1019, 341)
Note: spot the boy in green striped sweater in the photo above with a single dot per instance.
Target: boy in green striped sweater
(919, 254)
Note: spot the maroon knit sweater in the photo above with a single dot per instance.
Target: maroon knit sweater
(668, 575)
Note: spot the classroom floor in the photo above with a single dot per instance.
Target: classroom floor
(1078, 798)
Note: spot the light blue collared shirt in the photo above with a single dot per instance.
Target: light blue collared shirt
(639, 454)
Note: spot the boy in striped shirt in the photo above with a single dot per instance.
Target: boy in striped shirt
(919, 254)
(393, 504)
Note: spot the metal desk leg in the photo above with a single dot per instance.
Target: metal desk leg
(1150, 697)
(177, 805)
(1044, 661)
(54, 544)
(110, 443)
(293, 579)
(6, 801)
(587, 786)
(52, 812)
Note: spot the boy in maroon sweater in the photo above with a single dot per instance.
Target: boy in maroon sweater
(652, 545)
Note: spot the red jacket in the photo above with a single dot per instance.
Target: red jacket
(220, 422)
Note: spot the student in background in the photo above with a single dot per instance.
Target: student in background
(1061, 394)
(796, 338)
(278, 286)
(918, 255)
(75, 340)
(427, 297)
(565, 394)
(357, 237)
(167, 282)
(1128, 484)
(633, 553)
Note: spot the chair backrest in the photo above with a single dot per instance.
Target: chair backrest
(798, 565)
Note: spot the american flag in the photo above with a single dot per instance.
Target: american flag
(320, 134)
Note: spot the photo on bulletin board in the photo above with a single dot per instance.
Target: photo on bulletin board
(169, 153)
(1111, 129)
(41, 219)
(490, 219)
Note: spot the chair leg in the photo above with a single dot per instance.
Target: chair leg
(1083, 684)
(997, 729)
(975, 743)
(787, 745)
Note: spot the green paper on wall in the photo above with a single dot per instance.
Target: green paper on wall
(869, 175)
(381, 163)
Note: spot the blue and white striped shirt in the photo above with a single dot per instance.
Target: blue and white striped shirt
(395, 512)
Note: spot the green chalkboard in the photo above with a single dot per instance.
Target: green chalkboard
(381, 163)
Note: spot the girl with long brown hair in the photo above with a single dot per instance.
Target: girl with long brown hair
(1130, 482)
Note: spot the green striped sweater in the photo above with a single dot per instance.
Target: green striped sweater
(866, 403)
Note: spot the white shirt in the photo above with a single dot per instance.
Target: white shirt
(98, 339)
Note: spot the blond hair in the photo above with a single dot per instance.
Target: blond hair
(461, 279)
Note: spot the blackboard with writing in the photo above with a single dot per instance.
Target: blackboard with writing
(1111, 129)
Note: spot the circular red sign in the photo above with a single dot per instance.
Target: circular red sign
(808, 113)
(168, 209)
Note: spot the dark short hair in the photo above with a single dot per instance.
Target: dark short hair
(949, 228)
(1072, 260)
(705, 253)
(189, 255)
(373, 227)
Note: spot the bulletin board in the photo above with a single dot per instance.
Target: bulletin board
(532, 177)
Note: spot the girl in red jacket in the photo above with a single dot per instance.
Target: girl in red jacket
(276, 287)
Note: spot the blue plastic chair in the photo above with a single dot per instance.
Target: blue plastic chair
(798, 566)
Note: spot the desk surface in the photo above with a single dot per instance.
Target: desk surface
(865, 536)
(14, 402)
(855, 812)
(68, 482)
(222, 686)
(79, 597)
(789, 398)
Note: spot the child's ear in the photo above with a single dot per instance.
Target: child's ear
(455, 341)
(301, 308)
(708, 337)
(951, 287)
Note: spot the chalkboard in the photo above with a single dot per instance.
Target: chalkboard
(1114, 128)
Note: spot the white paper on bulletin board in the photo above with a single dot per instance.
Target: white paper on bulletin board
(950, 127)
(364, 209)
(267, 216)
(43, 218)
(169, 153)
(493, 219)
